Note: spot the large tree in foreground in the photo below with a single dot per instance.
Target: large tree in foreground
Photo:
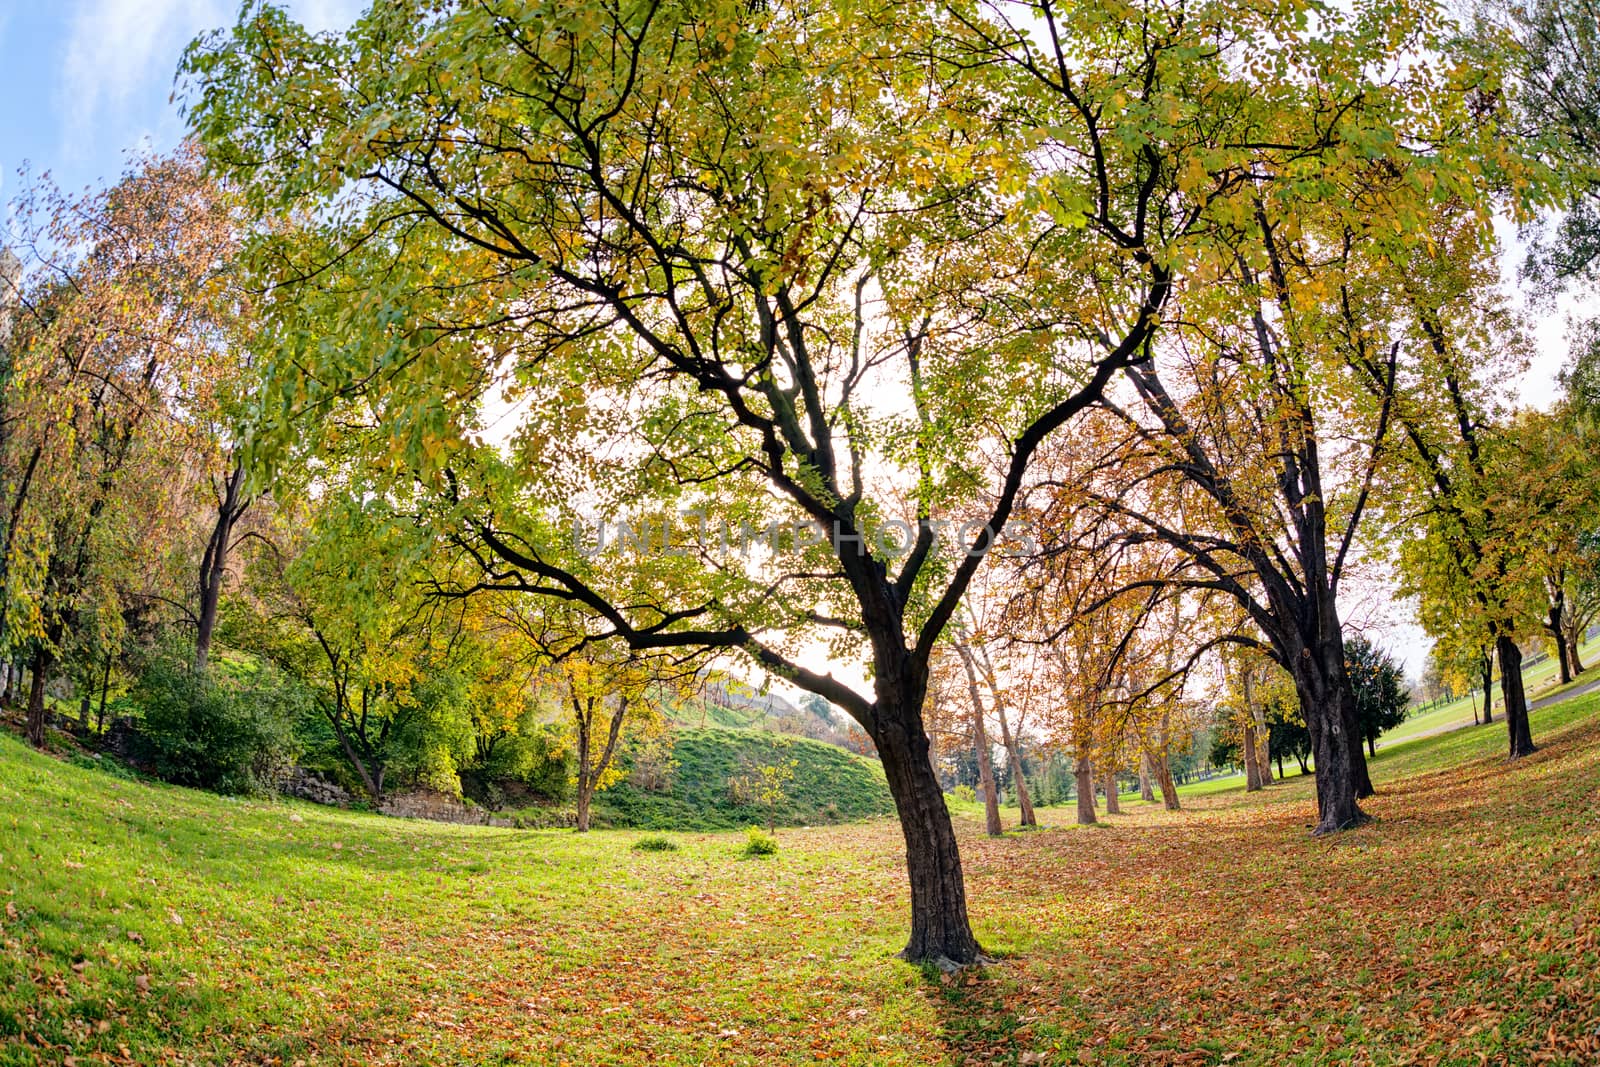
(826, 265)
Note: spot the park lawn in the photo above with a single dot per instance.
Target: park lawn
(148, 924)
(1539, 680)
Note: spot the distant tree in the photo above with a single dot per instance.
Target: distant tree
(818, 706)
(766, 785)
(1381, 697)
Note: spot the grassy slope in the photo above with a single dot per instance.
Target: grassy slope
(1458, 929)
(830, 785)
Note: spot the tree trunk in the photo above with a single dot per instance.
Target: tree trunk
(940, 931)
(1573, 629)
(1147, 789)
(214, 563)
(1279, 758)
(1372, 747)
(1329, 706)
(373, 783)
(1113, 806)
(1558, 633)
(1083, 779)
(40, 667)
(1488, 687)
(980, 738)
(1263, 748)
(1252, 768)
(1516, 701)
(1011, 744)
(585, 795)
(105, 694)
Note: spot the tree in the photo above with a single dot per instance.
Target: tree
(1547, 491)
(1379, 682)
(111, 340)
(1555, 108)
(336, 602)
(767, 787)
(789, 251)
(1468, 566)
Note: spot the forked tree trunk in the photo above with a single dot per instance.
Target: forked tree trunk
(940, 931)
(214, 563)
(1516, 701)
(1147, 789)
(1558, 633)
(1011, 744)
(1083, 785)
(1113, 807)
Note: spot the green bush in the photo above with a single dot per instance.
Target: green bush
(104, 764)
(655, 843)
(227, 734)
(965, 793)
(757, 842)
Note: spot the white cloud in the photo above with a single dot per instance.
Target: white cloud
(120, 59)
(118, 68)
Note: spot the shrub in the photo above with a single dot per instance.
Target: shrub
(103, 764)
(757, 842)
(228, 734)
(965, 793)
(655, 843)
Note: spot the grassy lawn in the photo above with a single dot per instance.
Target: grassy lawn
(1539, 680)
(146, 924)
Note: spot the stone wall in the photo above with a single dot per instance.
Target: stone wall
(299, 782)
(439, 807)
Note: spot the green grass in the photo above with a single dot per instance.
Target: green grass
(148, 924)
(1539, 680)
(830, 785)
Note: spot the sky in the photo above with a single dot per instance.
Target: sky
(84, 82)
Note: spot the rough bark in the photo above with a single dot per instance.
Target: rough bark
(1113, 806)
(940, 931)
(1147, 789)
(1329, 703)
(1558, 634)
(1488, 688)
(1263, 748)
(1252, 766)
(42, 661)
(1516, 701)
(980, 740)
(214, 562)
(1083, 785)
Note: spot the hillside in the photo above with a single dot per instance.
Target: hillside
(830, 785)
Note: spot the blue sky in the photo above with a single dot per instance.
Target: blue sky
(84, 81)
